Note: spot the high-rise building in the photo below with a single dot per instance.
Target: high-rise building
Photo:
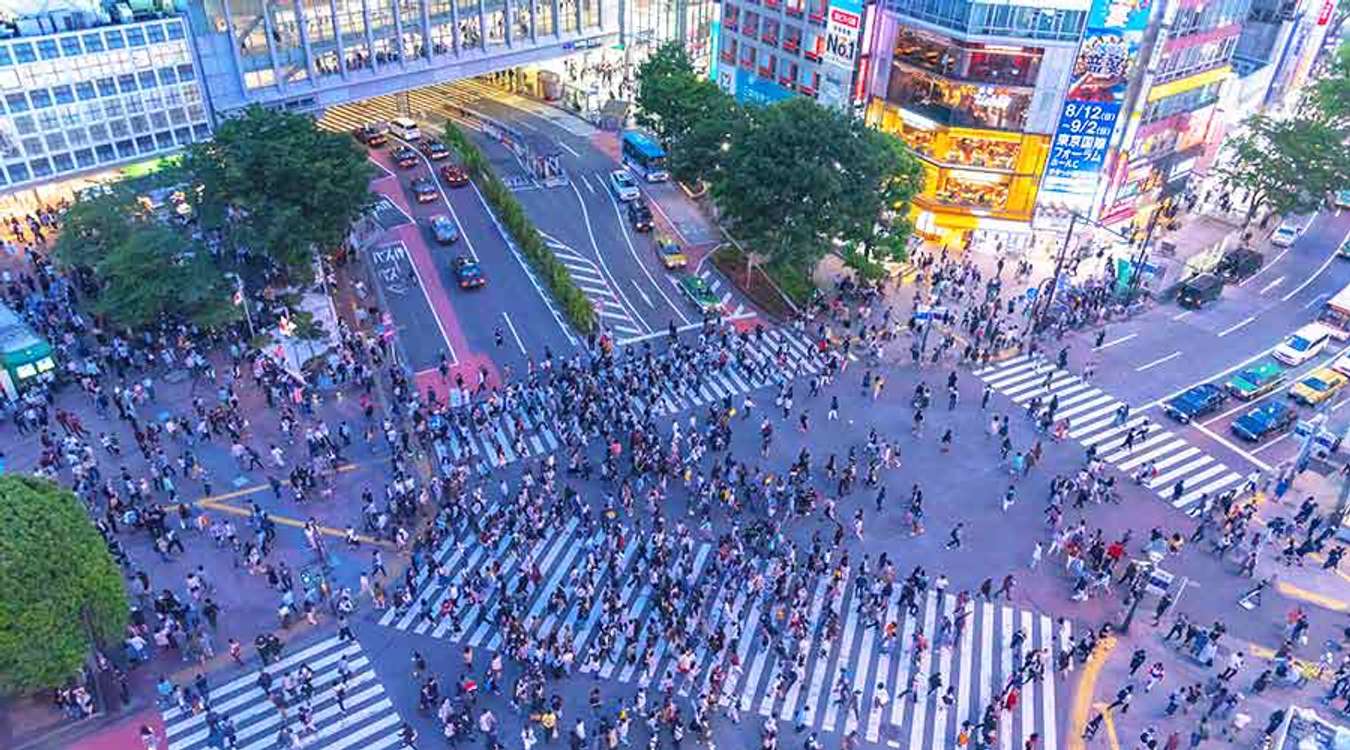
(975, 90)
(81, 94)
(1280, 41)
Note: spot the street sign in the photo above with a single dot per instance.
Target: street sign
(1031, 293)
(925, 312)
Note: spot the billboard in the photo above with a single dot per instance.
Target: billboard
(748, 88)
(1093, 101)
(841, 34)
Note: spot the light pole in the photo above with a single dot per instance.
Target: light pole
(1136, 595)
(241, 299)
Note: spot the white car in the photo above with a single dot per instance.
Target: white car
(1342, 364)
(1304, 344)
(624, 186)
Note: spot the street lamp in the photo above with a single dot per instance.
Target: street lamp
(241, 299)
(1136, 595)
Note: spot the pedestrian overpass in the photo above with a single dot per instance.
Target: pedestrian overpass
(308, 55)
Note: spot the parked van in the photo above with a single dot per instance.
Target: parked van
(1199, 291)
(1304, 344)
(1289, 230)
(405, 128)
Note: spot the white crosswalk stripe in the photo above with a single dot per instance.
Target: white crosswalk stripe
(831, 679)
(366, 719)
(525, 429)
(1093, 423)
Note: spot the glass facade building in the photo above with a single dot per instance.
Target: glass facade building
(97, 98)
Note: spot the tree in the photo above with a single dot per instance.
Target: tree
(1289, 165)
(698, 152)
(663, 79)
(1330, 96)
(61, 593)
(887, 177)
(280, 186)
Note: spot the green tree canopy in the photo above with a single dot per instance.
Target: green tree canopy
(1288, 165)
(1330, 95)
(692, 116)
(279, 185)
(58, 586)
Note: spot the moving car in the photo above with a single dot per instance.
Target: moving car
(1344, 249)
(1270, 418)
(1257, 380)
(444, 229)
(671, 254)
(1303, 344)
(640, 216)
(405, 128)
(697, 290)
(373, 134)
(1289, 230)
(1317, 387)
(1340, 199)
(455, 175)
(468, 274)
(434, 149)
(1195, 402)
(1342, 364)
(1199, 291)
(1239, 263)
(424, 189)
(406, 157)
(624, 186)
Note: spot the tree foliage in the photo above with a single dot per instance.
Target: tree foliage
(280, 185)
(58, 586)
(1288, 166)
(691, 116)
(1330, 95)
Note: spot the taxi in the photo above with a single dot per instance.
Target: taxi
(1318, 387)
(671, 254)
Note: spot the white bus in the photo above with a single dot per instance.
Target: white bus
(1336, 315)
(405, 128)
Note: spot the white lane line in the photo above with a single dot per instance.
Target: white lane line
(1157, 362)
(628, 240)
(1182, 315)
(382, 167)
(515, 334)
(1273, 441)
(673, 227)
(1272, 285)
(595, 245)
(1120, 340)
(1215, 376)
(1236, 326)
(587, 183)
(567, 148)
(1335, 252)
(1267, 266)
(1316, 300)
(643, 294)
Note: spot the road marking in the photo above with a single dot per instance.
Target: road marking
(1120, 340)
(1157, 362)
(1335, 252)
(1216, 376)
(567, 148)
(1312, 597)
(1316, 300)
(514, 334)
(614, 284)
(1267, 266)
(444, 198)
(628, 239)
(1182, 315)
(587, 183)
(1272, 285)
(382, 167)
(1277, 439)
(643, 294)
(1229, 444)
(683, 240)
(1236, 326)
(1082, 697)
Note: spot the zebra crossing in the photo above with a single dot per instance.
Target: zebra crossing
(715, 284)
(587, 275)
(365, 720)
(976, 651)
(1092, 422)
(522, 431)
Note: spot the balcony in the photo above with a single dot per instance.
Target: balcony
(792, 46)
(811, 55)
(728, 57)
(769, 39)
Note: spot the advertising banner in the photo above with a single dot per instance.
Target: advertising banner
(841, 34)
(1093, 102)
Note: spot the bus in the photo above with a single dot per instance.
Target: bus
(1336, 315)
(25, 357)
(642, 154)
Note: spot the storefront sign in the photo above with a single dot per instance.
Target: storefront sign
(1324, 17)
(841, 36)
(1092, 105)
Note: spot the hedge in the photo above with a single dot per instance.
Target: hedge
(569, 296)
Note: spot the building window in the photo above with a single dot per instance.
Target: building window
(77, 136)
(114, 39)
(93, 43)
(41, 168)
(105, 153)
(164, 140)
(70, 46)
(127, 83)
(16, 102)
(146, 144)
(63, 162)
(135, 37)
(63, 94)
(148, 79)
(98, 132)
(40, 98)
(155, 32)
(159, 120)
(23, 52)
(18, 173)
(167, 77)
(32, 146)
(201, 132)
(186, 73)
(47, 49)
(84, 90)
(139, 124)
(184, 136)
(85, 158)
(55, 142)
(5, 58)
(106, 87)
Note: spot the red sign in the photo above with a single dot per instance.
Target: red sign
(845, 18)
(1327, 8)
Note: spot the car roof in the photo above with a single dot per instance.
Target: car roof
(1204, 281)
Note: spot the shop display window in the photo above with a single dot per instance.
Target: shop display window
(959, 104)
(973, 189)
(1010, 66)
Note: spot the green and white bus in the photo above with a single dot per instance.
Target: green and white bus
(25, 357)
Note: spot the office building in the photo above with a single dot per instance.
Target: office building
(1275, 53)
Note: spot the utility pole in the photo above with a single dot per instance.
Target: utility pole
(1136, 595)
(1040, 307)
(1140, 258)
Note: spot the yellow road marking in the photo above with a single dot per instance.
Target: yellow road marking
(287, 521)
(1311, 597)
(1109, 720)
(1082, 697)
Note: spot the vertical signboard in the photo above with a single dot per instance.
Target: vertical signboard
(1093, 102)
(843, 33)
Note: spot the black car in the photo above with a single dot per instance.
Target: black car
(373, 134)
(434, 149)
(424, 189)
(1239, 263)
(1195, 402)
(1272, 417)
(468, 273)
(405, 157)
(1199, 291)
(640, 216)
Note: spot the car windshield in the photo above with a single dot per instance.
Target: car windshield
(1298, 343)
(623, 179)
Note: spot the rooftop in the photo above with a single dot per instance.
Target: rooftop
(26, 18)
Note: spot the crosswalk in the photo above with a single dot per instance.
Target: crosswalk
(525, 430)
(723, 291)
(365, 720)
(1092, 422)
(976, 651)
(612, 311)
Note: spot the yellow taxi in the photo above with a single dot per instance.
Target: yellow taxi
(1318, 387)
(671, 254)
